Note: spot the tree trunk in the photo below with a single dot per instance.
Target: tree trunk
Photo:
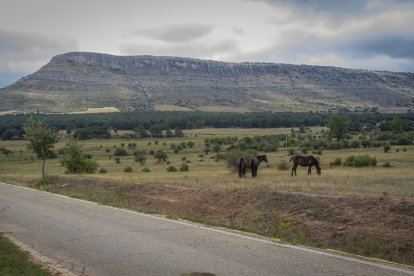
(43, 168)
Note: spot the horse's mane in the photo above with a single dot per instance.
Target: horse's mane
(316, 161)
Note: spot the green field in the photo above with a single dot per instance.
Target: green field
(372, 207)
(205, 172)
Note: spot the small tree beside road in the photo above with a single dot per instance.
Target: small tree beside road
(41, 139)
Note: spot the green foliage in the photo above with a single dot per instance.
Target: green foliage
(161, 155)
(283, 166)
(120, 152)
(396, 125)
(171, 169)
(128, 169)
(338, 126)
(184, 167)
(102, 170)
(41, 139)
(5, 151)
(360, 161)
(16, 262)
(146, 170)
(75, 161)
(336, 162)
(140, 157)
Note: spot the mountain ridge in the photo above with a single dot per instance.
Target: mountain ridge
(77, 81)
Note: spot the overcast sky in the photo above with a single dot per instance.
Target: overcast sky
(363, 34)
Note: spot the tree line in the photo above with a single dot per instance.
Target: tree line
(167, 124)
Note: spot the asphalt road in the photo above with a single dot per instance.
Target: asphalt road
(92, 239)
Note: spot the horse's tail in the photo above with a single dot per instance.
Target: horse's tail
(292, 158)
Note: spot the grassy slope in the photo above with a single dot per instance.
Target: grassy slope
(15, 262)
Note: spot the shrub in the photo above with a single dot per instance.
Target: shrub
(360, 161)
(128, 169)
(171, 169)
(184, 167)
(337, 162)
(161, 155)
(120, 152)
(117, 160)
(291, 151)
(146, 170)
(283, 166)
(102, 170)
(355, 144)
(387, 148)
(140, 157)
(387, 165)
(75, 161)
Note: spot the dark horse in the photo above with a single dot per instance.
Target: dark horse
(254, 163)
(306, 161)
(242, 164)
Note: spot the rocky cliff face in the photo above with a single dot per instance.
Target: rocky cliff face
(78, 80)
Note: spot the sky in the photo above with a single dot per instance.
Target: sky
(360, 34)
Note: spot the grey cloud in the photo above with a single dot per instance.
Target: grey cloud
(203, 50)
(26, 52)
(337, 9)
(176, 33)
(391, 44)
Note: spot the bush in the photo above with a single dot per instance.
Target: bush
(128, 169)
(336, 162)
(75, 161)
(171, 169)
(120, 152)
(146, 170)
(184, 167)
(387, 148)
(387, 165)
(283, 166)
(360, 161)
(161, 155)
(102, 170)
(355, 144)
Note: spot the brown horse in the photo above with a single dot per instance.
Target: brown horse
(306, 161)
(242, 164)
(255, 162)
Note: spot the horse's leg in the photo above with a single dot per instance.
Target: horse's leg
(310, 170)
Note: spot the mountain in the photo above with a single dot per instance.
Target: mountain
(77, 81)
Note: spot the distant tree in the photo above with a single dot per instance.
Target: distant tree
(338, 126)
(41, 139)
(396, 125)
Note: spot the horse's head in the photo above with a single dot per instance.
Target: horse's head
(318, 170)
(262, 158)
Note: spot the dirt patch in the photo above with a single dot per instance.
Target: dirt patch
(376, 227)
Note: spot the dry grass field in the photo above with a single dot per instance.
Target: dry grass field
(367, 211)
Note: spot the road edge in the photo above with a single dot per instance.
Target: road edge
(46, 263)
